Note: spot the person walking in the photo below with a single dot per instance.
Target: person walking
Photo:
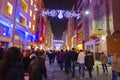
(67, 61)
(81, 61)
(103, 59)
(73, 61)
(115, 63)
(89, 62)
(60, 59)
(26, 60)
(11, 67)
(37, 68)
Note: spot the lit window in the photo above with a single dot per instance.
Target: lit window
(22, 19)
(35, 6)
(24, 5)
(31, 2)
(33, 28)
(31, 13)
(29, 24)
(34, 17)
(9, 8)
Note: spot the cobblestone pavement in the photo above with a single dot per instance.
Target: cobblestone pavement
(54, 73)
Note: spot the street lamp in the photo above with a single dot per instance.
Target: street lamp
(87, 12)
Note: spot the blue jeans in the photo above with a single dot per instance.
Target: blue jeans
(73, 63)
(115, 74)
(82, 69)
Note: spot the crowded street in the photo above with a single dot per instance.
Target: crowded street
(59, 39)
(54, 73)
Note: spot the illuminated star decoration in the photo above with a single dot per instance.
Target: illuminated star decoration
(61, 13)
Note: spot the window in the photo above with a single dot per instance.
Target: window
(29, 24)
(31, 13)
(31, 2)
(33, 28)
(35, 6)
(9, 8)
(22, 20)
(34, 17)
(24, 6)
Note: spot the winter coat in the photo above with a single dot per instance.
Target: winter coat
(61, 56)
(37, 69)
(15, 71)
(89, 61)
(103, 59)
(115, 62)
(73, 56)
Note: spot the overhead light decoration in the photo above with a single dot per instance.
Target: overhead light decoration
(61, 13)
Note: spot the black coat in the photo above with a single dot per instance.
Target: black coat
(37, 69)
(15, 71)
(89, 61)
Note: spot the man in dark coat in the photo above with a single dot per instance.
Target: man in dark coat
(37, 67)
(89, 62)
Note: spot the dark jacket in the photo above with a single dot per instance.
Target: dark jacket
(26, 61)
(15, 71)
(89, 61)
(73, 56)
(37, 69)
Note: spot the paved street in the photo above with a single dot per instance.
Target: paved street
(54, 73)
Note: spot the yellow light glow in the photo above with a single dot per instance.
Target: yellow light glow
(33, 28)
(31, 13)
(22, 19)
(34, 17)
(9, 8)
(31, 2)
(29, 24)
(24, 5)
(79, 47)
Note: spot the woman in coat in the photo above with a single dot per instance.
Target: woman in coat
(11, 66)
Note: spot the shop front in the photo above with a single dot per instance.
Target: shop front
(93, 46)
(4, 36)
(19, 39)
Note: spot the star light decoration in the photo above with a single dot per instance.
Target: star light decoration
(61, 13)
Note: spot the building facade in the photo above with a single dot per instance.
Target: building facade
(98, 29)
(104, 30)
(18, 22)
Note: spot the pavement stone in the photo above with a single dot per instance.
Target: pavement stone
(54, 73)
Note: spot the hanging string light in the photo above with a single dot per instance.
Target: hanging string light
(61, 13)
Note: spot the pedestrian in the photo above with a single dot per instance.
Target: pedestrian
(61, 59)
(89, 62)
(11, 67)
(104, 61)
(37, 68)
(115, 63)
(67, 61)
(81, 62)
(73, 61)
(26, 60)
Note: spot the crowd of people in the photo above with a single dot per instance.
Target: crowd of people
(16, 62)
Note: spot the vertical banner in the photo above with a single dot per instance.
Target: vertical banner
(41, 37)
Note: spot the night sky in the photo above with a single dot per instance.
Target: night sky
(58, 25)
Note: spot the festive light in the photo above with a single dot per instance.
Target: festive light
(61, 13)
